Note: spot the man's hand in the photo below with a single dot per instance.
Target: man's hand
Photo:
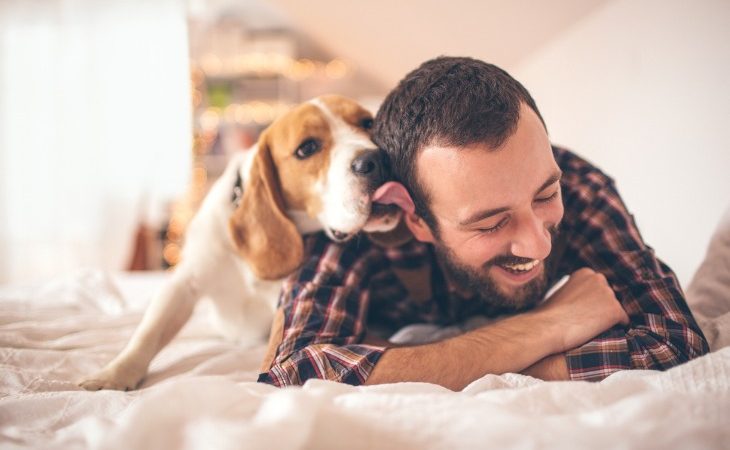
(584, 307)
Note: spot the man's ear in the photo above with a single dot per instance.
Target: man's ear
(418, 227)
(263, 234)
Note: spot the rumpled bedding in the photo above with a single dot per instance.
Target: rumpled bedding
(201, 390)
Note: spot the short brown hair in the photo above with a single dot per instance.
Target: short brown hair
(449, 101)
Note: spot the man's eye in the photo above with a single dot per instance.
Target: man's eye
(493, 229)
(548, 199)
(307, 148)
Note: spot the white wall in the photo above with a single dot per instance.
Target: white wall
(642, 89)
(94, 119)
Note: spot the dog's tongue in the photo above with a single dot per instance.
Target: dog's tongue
(394, 193)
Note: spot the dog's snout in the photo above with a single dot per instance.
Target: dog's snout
(371, 164)
(366, 163)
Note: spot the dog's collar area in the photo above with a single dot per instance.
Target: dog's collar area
(237, 193)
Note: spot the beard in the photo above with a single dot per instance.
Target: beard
(486, 289)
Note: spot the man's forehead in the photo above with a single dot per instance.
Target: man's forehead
(479, 167)
(458, 179)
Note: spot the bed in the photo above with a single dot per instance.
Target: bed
(201, 391)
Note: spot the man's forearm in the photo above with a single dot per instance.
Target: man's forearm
(551, 368)
(509, 345)
(577, 312)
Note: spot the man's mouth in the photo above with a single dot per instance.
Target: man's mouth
(519, 274)
(520, 268)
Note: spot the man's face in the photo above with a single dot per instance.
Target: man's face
(497, 210)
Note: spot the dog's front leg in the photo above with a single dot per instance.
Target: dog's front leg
(169, 311)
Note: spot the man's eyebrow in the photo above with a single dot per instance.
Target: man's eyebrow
(553, 179)
(481, 215)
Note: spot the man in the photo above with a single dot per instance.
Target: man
(498, 216)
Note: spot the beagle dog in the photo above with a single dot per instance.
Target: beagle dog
(313, 169)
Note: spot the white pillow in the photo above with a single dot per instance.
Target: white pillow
(708, 294)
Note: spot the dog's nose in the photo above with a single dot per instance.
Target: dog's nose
(371, 164)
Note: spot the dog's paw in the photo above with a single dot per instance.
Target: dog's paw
(114, 378)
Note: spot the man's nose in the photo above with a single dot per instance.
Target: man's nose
(531, 239)
(372, 166)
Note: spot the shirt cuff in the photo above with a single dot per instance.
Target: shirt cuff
(349, 364)
(605, 354)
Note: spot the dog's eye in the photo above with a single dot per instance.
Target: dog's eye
(307, 149)
(366, 123)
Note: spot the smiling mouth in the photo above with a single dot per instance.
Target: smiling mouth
(519, 269)
(520, 273)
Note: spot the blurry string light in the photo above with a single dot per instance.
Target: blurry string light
(211, 65)
(254, 112)
(337, 69)
(262, 112)
(229, 114)
(184, 209)
(271, 64)
(171, 253)
(197, 97)
(200, 175)
(243, 114)
(197, 77)
(300, 69)
(203, 142)
(210, 119)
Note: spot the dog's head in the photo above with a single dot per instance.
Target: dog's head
(315, 168)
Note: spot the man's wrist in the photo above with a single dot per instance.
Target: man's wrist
(552, 329)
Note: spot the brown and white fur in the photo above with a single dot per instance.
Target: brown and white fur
(237, 253)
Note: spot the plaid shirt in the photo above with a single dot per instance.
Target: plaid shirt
(341, 289)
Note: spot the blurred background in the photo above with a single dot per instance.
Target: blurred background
(117, 115)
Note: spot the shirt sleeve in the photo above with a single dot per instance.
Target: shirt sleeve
(662, 332)
(325, 312)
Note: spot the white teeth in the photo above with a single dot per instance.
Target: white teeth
(523, 267)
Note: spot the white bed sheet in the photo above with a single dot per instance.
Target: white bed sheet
(201, 391)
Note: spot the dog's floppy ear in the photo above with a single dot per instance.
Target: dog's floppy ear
(263, 234)
(393, 238)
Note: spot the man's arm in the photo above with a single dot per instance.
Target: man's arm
(550, 368)
(322, 317)
(323, 329)
(584, 307)
(508, 345)
(601, 234)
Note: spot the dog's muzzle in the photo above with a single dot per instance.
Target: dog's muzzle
(373, 167)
